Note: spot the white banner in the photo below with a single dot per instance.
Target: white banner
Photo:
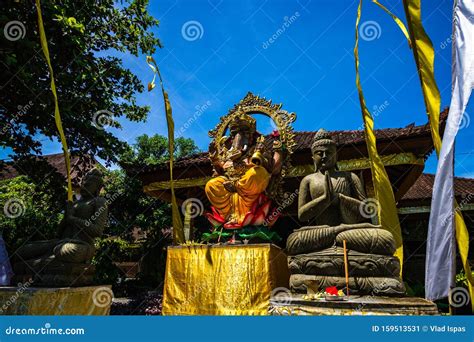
(441, 247)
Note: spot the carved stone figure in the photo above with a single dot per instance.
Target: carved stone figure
(332, 203)
(65, 261)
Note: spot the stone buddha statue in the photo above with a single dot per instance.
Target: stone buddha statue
(332, 203)
(65, 261)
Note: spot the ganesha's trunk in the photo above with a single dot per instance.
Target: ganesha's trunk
(240, 143)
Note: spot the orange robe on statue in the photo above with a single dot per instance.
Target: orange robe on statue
(233, 206)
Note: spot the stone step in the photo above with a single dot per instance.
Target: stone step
(295, 304)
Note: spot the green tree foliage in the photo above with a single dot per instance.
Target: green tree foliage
(152, 150)
(85, 38)
(130, 208)
(29, 212)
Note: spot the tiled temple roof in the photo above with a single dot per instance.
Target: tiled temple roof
(79, 166)
(350, 143)
(423, 188)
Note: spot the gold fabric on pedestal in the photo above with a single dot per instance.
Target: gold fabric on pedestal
(86, 300)
(223, 280)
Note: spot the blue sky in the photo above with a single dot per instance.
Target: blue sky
(309, 67)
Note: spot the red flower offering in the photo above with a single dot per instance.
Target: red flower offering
(331, 290)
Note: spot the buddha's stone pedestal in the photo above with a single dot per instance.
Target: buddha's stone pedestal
(355, 305)
(52, 273)
(223, 279)
(25, 300)
(369, 274)
(373, 270)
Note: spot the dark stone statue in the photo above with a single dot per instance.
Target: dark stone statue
(331, 202)
(65, 261)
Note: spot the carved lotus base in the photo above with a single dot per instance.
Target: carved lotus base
(382, 286)
(330, 262)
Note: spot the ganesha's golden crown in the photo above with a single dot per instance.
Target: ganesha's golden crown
(243, 121)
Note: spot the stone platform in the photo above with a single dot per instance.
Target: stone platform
(26, 300)
(355, 305)
(50, 272)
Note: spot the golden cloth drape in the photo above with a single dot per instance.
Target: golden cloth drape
(223, 280)
(86, 300)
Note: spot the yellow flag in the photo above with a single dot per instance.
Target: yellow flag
(388, 216)
(178, 230)
(57, 115)
(400, 24)
(424, 58)
(423, 53)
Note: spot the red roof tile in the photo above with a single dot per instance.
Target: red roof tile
(79, 166)
(423, 188)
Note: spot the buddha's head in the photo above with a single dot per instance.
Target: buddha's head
(242, 131)
(324, 151)
(92, 183)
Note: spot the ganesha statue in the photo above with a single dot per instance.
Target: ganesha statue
(247, 171)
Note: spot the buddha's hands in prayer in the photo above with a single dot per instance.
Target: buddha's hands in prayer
(331, 195)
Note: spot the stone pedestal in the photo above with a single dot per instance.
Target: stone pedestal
(355, 305)
(26, 300)
(50, 273)
(223, 280)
